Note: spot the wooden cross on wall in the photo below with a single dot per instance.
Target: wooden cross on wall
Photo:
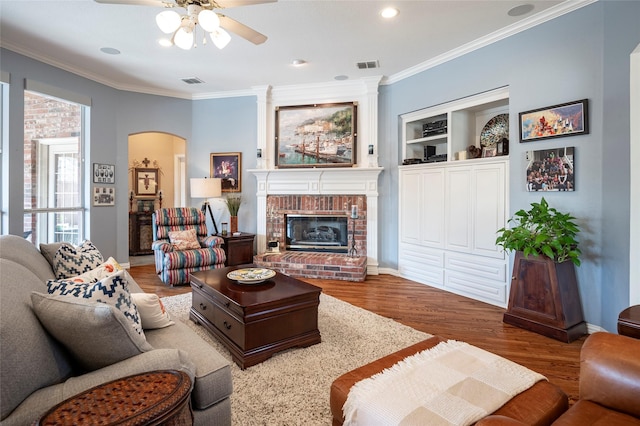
(146, 162)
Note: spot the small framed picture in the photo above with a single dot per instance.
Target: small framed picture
(146, 182)
(228, 167)
(489, 151)
(104, 173)
(551, 170)
(104, 196)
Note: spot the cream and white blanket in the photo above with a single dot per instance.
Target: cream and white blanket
(452, 383)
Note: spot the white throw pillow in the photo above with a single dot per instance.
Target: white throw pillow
(151, 310)
(110, 267)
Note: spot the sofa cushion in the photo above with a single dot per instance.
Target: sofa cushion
(112, 290)
(213, 381)
(184, 240)
(29, 357)
(23, 252)
(96, 334)
(151, 310)
(49, 251)
(70, 261)
(109, 267)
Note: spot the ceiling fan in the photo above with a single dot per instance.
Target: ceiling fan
(199, 12)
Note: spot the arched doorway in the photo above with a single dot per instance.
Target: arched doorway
(157, 178)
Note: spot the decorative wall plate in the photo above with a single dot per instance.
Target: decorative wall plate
(251, 275)
(495, 129)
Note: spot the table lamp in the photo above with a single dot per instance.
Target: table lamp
(206, 188)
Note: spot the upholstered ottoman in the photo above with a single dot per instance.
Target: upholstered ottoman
(537, 406)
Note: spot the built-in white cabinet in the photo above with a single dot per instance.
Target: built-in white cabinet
(450, 210)
(449, 215)
(447, 130)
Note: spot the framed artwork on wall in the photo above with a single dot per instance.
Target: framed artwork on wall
(104, 173)
(319, 135)
(146, 182)
(104, 196)
(551, 170)
(228, 167)
(569, 119)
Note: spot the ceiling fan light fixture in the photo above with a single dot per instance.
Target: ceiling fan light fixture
(389, 12)
(168, 21)
(220, 38)
(208, 20)
(183, 38)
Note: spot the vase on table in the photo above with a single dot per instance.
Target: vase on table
(233, 224)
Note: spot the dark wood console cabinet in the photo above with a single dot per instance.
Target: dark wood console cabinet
(239, 250)
(140, 233)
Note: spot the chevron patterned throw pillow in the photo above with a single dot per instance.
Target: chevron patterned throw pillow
(112, 290)
(70, 261)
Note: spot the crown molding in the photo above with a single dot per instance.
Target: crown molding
(537, 19)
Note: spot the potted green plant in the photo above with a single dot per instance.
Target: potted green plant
(233, 205)
(544, 292)
(542, 230)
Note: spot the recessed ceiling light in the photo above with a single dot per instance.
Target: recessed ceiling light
(110, 51)
(523, 9)
(165, 42)
(298, 62)
(341, 77)
(389, 12)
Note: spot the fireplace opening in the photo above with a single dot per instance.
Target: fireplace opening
(317, 233)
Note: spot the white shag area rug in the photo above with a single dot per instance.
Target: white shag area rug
(292, 387)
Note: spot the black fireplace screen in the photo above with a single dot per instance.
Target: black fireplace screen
(321, 233)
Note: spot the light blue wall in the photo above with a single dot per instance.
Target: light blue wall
(227, 125)
(581, 55)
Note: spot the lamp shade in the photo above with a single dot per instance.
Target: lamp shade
(206, 188)
(168, 21)
(208, 20)
(183, 38)
(220, 38)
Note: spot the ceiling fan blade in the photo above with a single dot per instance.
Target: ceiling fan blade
(242, 30)
(156, 3)
(236, 3)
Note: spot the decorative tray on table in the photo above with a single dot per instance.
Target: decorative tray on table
(251, 275)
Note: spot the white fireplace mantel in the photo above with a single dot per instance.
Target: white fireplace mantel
(322, 181)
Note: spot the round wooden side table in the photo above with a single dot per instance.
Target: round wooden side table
(153, 398)
(629, 322)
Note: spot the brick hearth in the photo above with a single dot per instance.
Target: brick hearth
(312, 264)
(330, 266)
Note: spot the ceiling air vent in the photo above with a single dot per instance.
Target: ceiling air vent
(192, 80)
(366, 65)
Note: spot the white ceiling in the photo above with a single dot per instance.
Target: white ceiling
(332, 35)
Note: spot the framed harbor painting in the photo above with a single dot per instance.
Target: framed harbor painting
(228, 167)
(568, 119)
(319, 135)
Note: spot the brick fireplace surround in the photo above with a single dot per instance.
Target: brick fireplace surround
(312, 264)
(318, 191)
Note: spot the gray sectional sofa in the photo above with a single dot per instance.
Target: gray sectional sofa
(36, 372)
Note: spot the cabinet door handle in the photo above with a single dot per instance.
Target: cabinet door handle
(203, 306)
(227, 325)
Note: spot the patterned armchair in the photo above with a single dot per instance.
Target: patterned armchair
(174, 265)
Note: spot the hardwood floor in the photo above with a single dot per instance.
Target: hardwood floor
(440, 313)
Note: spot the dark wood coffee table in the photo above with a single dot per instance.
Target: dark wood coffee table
(254, 321)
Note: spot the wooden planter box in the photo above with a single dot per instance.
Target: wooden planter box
(544, 298)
